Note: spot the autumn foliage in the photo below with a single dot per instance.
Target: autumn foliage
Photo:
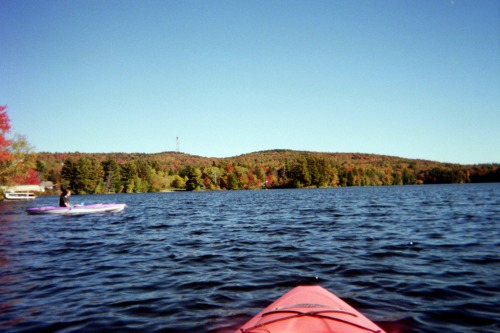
(4, 129)
(31, 177)
(132, 173)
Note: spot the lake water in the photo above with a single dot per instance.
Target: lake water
(413, 259)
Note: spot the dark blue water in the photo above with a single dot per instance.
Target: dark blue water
(413, 259)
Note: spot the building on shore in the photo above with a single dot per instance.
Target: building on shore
(28, 188)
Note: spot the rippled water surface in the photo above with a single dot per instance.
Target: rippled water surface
(413, 259)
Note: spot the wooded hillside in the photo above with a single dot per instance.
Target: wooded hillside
(123, 172)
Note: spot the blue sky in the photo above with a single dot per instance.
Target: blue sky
(415, 79)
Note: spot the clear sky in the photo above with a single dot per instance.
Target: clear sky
(408, 78)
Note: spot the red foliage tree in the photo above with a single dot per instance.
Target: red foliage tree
(4, 129)
(269, 180)
(30, 178)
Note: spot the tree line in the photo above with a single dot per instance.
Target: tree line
(98, 173)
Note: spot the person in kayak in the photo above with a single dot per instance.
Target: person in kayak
(64, 199)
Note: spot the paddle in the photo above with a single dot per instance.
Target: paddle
(73, 206)
(70, 208)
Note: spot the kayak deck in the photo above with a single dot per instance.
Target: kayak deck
(96, 208)
(309, 309)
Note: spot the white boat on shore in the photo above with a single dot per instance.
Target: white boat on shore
(19, 196)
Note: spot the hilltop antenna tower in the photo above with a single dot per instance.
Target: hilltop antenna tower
(177, 144)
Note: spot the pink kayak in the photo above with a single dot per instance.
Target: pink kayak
(311, 309)
(88, 209)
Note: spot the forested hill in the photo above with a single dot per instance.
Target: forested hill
(138, 172)
(353, 159)
(175, 160)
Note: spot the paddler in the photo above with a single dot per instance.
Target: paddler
(64, 198)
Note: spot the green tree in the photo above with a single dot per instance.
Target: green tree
(177, 182)
(232, 181)
(128, 175)
(351, 180)
(68, 173)
(89, 176)
(194, 181)
(112, 176)
(41, 168)
(259, 173)
(333, 175)
(316, 175)
(145, 172)
(300, 173)
(409, 177)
